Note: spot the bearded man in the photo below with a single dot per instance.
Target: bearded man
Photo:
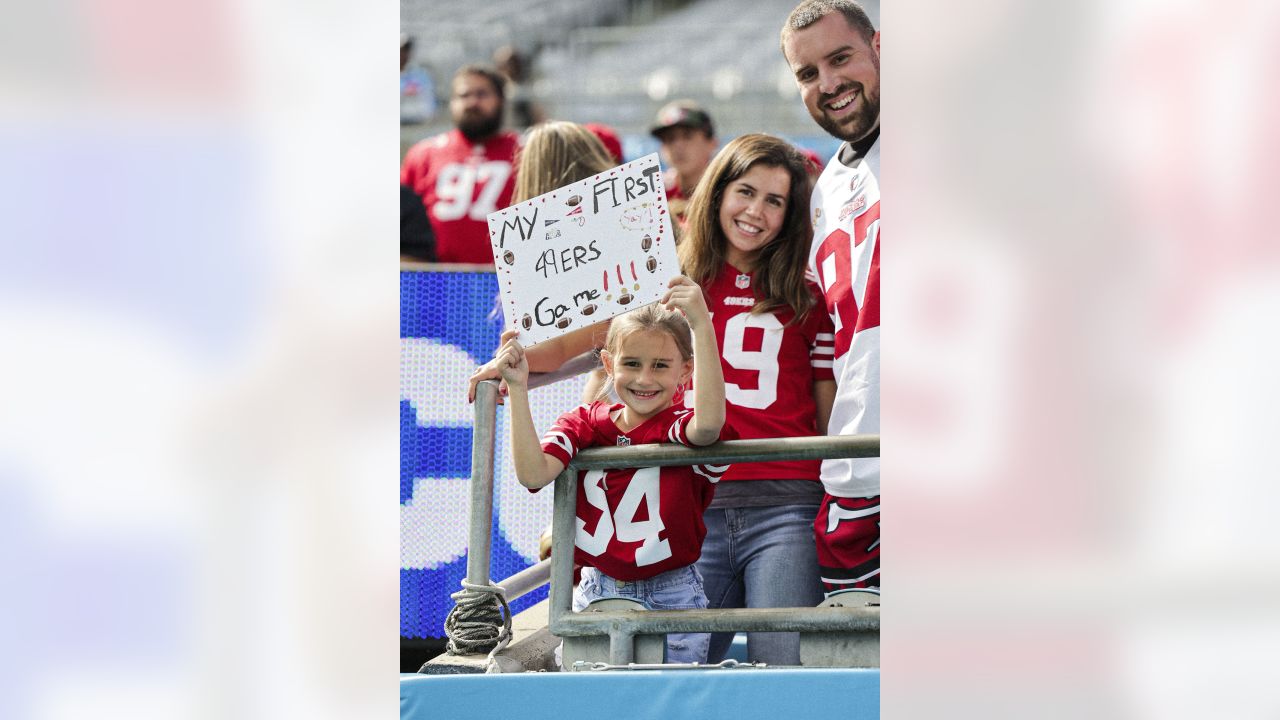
(466, 173)
(833, 51)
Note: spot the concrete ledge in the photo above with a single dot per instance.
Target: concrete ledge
(532, 649)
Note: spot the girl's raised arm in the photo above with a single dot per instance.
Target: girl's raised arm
(708, 379)
(534, 468)
(546, 356)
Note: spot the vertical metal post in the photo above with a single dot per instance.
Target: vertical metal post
(563, 531)
(622, 645)
(482, 436)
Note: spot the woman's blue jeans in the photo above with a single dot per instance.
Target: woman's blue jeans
(760, 557)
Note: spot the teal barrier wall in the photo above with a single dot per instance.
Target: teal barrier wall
(740, 694)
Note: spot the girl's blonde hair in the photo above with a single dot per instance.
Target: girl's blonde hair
(651, 318)
(555, 154)
(780, 265)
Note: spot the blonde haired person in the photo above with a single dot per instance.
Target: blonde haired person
(555, 154)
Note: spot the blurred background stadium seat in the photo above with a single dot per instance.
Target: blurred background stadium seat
(618, 61)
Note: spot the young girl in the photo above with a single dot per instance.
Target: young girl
(647, 553)
(746, 242)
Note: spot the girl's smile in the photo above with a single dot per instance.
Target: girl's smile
(647, 370)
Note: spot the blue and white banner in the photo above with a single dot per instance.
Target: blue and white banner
(448, 326)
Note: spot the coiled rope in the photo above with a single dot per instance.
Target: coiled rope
(480, 622)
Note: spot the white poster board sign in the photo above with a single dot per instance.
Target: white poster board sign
(584, 252)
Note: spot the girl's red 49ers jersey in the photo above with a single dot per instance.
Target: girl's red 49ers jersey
(769, 370)
(634, 523)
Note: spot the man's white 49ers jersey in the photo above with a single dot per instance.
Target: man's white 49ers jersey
(634, 523)
(845, 258)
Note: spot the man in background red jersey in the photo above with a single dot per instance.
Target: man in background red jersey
(468, 172)
(688, 143)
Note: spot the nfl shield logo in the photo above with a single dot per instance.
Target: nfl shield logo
(742, 282)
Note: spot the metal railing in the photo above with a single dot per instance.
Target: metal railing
(622, 627)
(480, 526)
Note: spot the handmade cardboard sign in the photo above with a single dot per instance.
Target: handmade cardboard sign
(584, 252)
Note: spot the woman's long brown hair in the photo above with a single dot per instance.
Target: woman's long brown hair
(780, 265)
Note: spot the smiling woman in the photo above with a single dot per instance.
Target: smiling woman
(752, 212)
(753, 182)
(747, 244)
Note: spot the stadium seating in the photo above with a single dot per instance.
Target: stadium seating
(617, 62)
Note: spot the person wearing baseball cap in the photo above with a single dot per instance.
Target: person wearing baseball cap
(689, 142)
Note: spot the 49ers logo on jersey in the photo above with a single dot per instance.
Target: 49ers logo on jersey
(853, 206)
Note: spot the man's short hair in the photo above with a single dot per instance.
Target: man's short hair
(809, 12)
(497, 79)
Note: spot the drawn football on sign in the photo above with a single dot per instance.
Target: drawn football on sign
(509, 257)
(563, 322)
(646, 242)
(651, 264)
(590, 308)
(526, 321)
(573, 201)
(625, 298)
